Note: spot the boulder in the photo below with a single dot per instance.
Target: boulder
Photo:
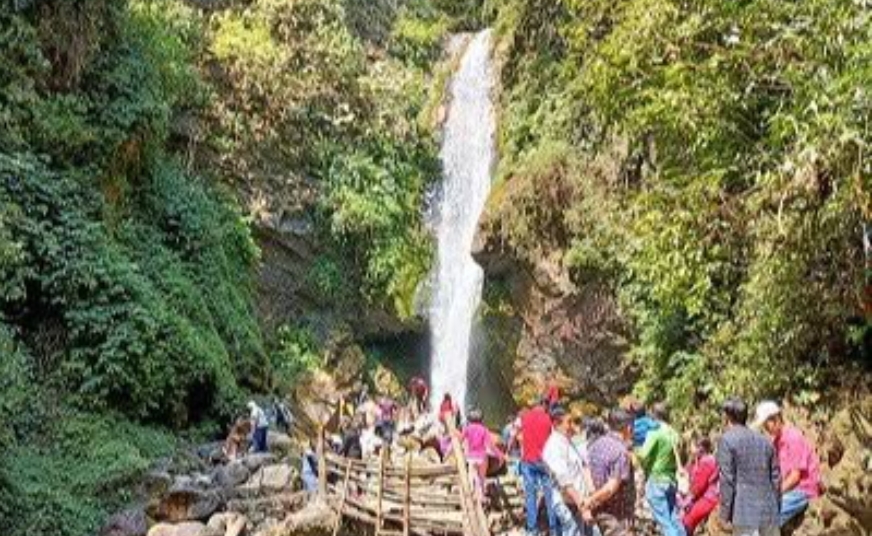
(211, 451)
(127, 523)
(189, 528)
(277, 477)
(315, 519)
(156, 483)
(186, 504)
(228, 524)
(279, 443)
(231, 475)
(253, 462)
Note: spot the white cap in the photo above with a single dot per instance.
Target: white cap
(765, 411)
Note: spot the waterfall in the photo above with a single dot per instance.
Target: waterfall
(467, 155)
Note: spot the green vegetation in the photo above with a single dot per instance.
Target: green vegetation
(709, 160)
(299, 93)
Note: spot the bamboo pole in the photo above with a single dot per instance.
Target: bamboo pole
(407, 506)
(322, 465)
(472, 508)
(342, 501)
(381, 485)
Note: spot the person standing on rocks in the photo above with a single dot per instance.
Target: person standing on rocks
(749, 476)
(797, 459)
(569, 468)
(612, 504)
(419, 392)
(659, 459)
(534, 430)
(260, 425)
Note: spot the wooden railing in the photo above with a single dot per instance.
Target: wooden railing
(398, 497)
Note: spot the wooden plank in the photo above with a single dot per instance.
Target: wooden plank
(419, 523)
(342, 502)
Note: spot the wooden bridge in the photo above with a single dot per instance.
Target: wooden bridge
(399, 498)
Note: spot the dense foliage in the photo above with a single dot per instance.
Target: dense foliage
(709, 160)
(322, 96)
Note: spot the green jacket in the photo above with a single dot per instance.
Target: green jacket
(657, 455)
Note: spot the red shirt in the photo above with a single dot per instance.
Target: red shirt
(535, 429)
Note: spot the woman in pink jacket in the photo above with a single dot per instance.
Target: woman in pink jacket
(702, 498)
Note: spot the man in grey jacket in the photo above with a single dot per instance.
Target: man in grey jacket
(749, 476)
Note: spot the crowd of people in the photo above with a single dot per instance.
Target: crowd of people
(758, 480)
(585, 473)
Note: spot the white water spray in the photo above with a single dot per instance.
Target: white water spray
(467, 156)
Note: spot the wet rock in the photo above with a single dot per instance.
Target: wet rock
(128, 523)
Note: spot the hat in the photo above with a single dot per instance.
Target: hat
(765, 411)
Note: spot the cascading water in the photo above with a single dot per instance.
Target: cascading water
(467, 156)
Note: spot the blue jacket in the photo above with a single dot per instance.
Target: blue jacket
(641, 426)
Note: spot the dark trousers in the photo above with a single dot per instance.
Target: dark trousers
(259, 439)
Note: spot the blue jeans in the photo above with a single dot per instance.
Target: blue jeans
(569, 520)
(536, 480)
(664, 506)
(793, 503)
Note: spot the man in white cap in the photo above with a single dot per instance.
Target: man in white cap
(260, 425)
(799, 463)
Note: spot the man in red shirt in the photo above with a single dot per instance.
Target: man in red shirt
(534, 430)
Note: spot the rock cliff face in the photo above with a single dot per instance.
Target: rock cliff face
(556, 327)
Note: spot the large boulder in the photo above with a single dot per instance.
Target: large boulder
(128, 523)
(253, 462)
(228, 524)
(279, 443)
(188, 528)
(232, 475)
(844, 442)
(186, 504)
(315, 519)
(277, 477)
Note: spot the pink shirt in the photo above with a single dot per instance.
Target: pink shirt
(478, 442)
(796, 453)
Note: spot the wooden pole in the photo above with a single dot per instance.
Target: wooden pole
(407, 506)
(341, 508)
(322, 465)
(381, 485)
(472, 509)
